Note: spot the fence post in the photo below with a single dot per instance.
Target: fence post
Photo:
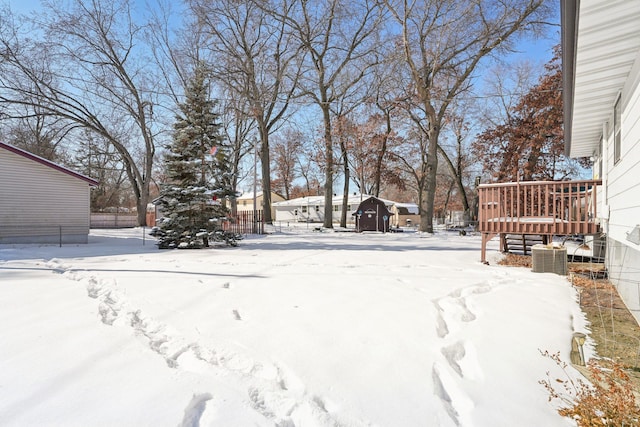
(60, 234)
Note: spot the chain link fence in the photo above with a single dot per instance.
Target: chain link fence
(43, 234)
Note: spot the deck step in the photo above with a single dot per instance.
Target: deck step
(522, 243)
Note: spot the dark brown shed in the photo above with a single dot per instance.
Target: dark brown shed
(372, 215)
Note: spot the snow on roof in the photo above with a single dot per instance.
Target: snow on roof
(412, 208)
(301, 201)
(48, 163)
(248, 195)
(354, 199)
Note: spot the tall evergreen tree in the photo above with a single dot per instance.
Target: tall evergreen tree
(197, 172)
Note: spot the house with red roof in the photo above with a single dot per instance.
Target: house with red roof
(41, 201)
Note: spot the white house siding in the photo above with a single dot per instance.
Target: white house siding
(601, 64)
(623, 196)
(311, 209)
(303, 209)
(623, 264)
(39, 204)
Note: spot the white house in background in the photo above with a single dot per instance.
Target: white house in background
(308, 209)
(601, 90)
(311, 209)
(244, 202)
(41, 201)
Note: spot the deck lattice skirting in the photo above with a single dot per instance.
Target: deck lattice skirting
(546, 208)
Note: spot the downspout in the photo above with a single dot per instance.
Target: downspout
(604, 215)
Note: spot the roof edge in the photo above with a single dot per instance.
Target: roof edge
(569, 38)
(92, 182)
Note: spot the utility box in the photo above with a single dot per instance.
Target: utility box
(549, 259)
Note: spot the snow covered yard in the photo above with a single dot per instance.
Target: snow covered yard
(291, 329)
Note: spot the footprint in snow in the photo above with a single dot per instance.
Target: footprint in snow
(194, 410)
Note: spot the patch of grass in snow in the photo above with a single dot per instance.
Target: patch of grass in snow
(613, 328)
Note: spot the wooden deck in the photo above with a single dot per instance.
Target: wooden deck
(544, 208)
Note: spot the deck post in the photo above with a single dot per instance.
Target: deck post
(483, 253)
(485, 239)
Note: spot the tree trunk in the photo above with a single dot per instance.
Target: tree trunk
(345, 196)
(381, 153)
(457, 176)
(328, 184)
(266, 174)
(429, 190)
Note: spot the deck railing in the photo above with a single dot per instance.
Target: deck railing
(537, 207)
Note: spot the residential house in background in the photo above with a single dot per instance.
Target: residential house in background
(307, 209)
(41, 201)
(601, 90)
(404, 215)
(311, 209)
(244, 202)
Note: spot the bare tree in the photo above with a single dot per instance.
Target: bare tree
(257, 60)
(38, 134)
(407, 159)
(335, 35)
(503, 87)
(369, 135)
(442, 42)
(287, 150)
(97, 158)
(84, 64)
(528, 145)
(456, 154)
(310, 164)
(344, 135)
(238, 129)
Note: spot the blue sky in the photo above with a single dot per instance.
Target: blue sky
(535, 50)
(24, 5)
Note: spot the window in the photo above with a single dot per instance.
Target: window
(304, 209)
(336, 208)
(617, 137)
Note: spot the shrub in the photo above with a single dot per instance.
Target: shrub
(608, 400)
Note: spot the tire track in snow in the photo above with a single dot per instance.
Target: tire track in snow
(452, 313)
(272, 391)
